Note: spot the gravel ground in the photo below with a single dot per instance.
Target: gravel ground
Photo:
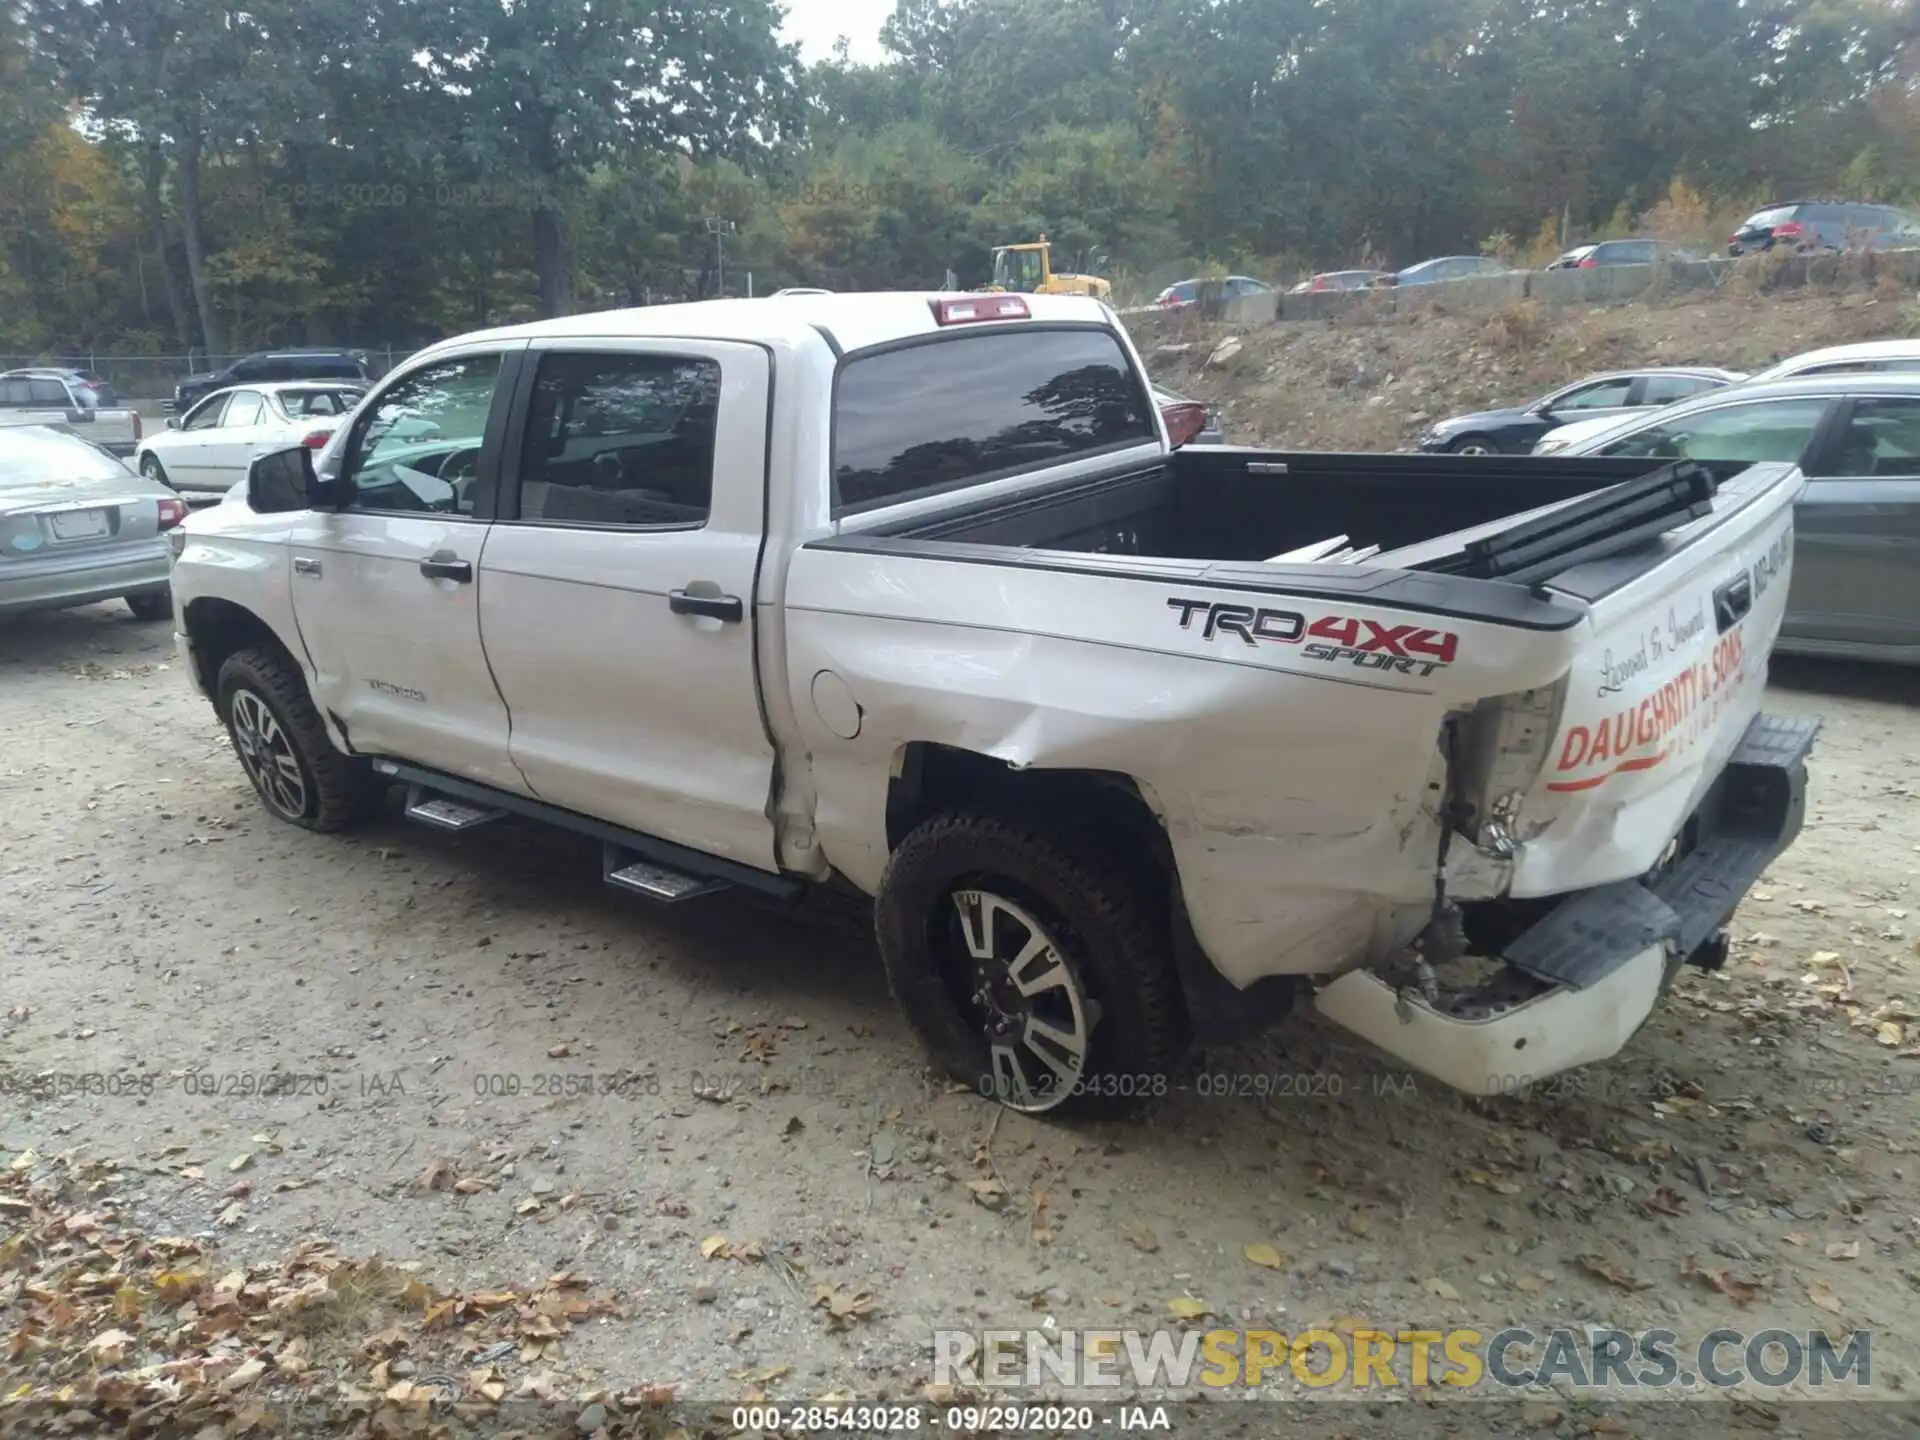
(463, 1050)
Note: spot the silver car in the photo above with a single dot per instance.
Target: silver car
(1856, 551)
(77, 526)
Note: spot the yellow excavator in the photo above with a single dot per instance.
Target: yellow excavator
(1029, 270)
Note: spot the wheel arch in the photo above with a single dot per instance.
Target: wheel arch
(216, 628)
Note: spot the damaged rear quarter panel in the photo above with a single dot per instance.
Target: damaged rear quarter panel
(1295, 790)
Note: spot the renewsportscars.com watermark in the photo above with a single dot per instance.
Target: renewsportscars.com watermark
(1587, 1358)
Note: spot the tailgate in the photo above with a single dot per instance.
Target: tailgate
(1665, 683)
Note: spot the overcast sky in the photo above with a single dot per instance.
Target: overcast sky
(816, 24)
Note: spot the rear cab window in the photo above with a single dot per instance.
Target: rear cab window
(955, 410)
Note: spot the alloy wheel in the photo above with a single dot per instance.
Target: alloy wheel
(1025, 997)
(267, 755)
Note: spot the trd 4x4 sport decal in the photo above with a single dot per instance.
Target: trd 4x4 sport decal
(1332, 639)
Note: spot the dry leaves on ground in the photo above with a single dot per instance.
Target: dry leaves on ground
(1741, 1292)
(120, 1324)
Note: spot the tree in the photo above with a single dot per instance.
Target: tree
(552, 89)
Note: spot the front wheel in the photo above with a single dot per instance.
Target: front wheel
(1473, 445)
(1034, 969)
(283, 746)
(151, 467)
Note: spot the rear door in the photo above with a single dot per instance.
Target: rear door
(617, 589)
(231, 445)
(384, 589)
(1856, 566)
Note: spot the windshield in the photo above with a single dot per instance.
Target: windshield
(1767, 219)
(31, 453)
(1017, 269)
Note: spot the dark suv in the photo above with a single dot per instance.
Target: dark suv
(1807, 225)
(266, 366)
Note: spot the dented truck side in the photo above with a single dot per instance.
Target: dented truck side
(1130, 745)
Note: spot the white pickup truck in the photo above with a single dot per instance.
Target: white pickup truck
(1129, 743)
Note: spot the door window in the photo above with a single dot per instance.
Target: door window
(206, 415)
(48, 392)
(16, 392)
(620, 440)
(418, 449)
(1606, 395)
(254, 367)
(1665, 389)
(1882, 439)
(242, 409)
(1762, 431)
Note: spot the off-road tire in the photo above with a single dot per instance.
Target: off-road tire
(151, 604)
(1108, 917)
(337, 790)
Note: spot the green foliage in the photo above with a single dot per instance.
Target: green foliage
(383, 171)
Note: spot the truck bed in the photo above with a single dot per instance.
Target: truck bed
(1232, 504)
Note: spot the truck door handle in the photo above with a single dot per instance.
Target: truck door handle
(304, 566)
(445, 565)
(714, 607)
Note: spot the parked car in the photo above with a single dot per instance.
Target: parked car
(77, 526)
(269, 366)
(1515, 429)
(1868, 357)
(86, 387)
(1825, 225)
(1622, 252)
(1188, 292)
(1449, 267)
(1189, 422)
(49, 397)
(1339, 280)
(1855, 591)
(207, 450)
(1120, 750)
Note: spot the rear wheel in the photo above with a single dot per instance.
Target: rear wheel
(151, 605)
(1034, 968)
(283, 746)
(1473, 445)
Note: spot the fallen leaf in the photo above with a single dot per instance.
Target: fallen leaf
(989, 1192)
(1844, 1250)
(1610, 1272)
(1665, 1201)
(1140, 1238)
(1264, 1255)
(1606, 1425)
(439, 1175)
(528, 1206)
(245, 1375)
(1741, 1292)
(240, 1162)
(844, 1308)
(232, 1215)
(471, 1186)
(1540, 1413)
(1185, 1307)
(1821, 959)
(1891, 1033)
(1532, 1284)
(1823, 1295)
(1794, 1237)
(558, 1052)
(1440, 1288)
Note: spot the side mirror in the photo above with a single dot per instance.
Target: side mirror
(173, 423)
(282, 481)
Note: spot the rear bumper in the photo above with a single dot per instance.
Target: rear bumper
(1601, 958)
(85, 579)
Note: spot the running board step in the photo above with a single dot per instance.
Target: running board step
(444, 814)
(626, 871)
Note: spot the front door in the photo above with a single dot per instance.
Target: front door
(1856, 563)
(231, 445)
(616, 595)
(384, 588)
